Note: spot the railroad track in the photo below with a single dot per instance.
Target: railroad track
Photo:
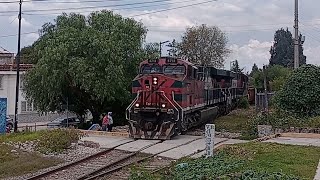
(89, 164)
(102, 164)
(117, 166)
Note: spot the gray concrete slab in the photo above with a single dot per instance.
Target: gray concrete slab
(296, 141)
(188, 149)
(229, 141)
(317, 176)
(137, 145)
(107, 142)
(169, 144)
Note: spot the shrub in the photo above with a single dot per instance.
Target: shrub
(57, 140)
(301, 92)
(243, 103)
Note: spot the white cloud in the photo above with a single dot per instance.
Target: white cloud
(250, 23)
(252, 52)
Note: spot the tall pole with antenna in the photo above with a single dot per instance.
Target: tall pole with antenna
(18, 71)
(296, 35)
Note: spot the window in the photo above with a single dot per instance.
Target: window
(26, 106)
(147, 69)
(1, 81)
(179, 69)
(23, 106)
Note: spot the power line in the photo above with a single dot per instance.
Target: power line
(12, 35)
(86, 7)
(152, 5)
(169, 9)
(60, 2)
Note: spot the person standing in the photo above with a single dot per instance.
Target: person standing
(105, 122)
(110, 121)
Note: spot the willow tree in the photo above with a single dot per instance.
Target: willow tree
(89, 61)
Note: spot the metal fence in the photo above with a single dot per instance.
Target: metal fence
(260, 100)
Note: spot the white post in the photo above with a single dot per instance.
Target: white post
(209, 133)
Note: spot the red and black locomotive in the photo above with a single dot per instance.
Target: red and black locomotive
(172, 95)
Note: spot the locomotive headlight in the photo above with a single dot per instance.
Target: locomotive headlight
(155, 81)
(163, 105)
(137, 105)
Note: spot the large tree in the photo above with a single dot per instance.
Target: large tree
(204, 45)
(89, 61)
(282, 51)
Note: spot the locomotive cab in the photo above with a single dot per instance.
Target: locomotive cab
(154, 111)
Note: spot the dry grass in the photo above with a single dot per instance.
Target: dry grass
(14, 162)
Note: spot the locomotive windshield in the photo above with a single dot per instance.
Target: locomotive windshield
(149, 69)
(178, 69)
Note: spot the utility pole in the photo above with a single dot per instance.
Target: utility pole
(296, 35)
(265, 88)
(18, 71)
(160, 44)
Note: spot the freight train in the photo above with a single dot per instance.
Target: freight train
(172, 95)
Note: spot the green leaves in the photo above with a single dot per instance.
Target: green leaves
(91, 60)
(301, 93)
(283, 47)
(205, 45)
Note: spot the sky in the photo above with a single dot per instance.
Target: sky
(249, 24)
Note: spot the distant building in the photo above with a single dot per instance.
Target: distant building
(6, 57)
(8, 76)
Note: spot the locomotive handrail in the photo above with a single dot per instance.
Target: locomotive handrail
(132, 103)
(170, 103)
(178, 105)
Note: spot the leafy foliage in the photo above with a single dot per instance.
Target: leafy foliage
(89, 60)
(282, 51)
(254, 69)
(174, 48)
(235, 67)
(28, 55)
(207, 168)
(57, 140)
(276, 77)
(205, 45)
(152, 50)
(243, 103)
(301, 93)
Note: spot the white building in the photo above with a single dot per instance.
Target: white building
(6, 57)
(8, 76)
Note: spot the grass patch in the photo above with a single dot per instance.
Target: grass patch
(300, 161)
(246, 161)
(14, 162)
(235, 122)
(20, 137)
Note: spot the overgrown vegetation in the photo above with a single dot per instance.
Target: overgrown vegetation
(48, 141)
(245, 161)
(14, 162)
(301, 93)
(57, 140)
(243, 103)
(236, 122)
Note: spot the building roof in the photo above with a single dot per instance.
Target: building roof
(13, 67)
(4, 51)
